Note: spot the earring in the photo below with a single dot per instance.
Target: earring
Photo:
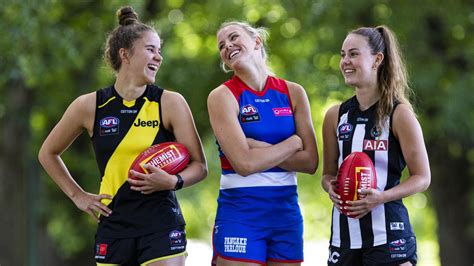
(374, 67)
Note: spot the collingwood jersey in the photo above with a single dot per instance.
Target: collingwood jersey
(123, 129)
(387, 222)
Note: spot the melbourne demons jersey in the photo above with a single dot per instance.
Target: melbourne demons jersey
(269, 198)
(123, 129)
(387, 222)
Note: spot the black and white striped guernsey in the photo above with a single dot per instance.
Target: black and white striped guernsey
(387, 222)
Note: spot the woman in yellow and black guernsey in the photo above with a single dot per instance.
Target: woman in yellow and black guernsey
(140, 221)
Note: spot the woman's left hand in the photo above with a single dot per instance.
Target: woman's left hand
(359, 208)
(156, 180)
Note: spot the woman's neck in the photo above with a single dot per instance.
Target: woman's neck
(126, 88)
(255, 77)
(367, 97)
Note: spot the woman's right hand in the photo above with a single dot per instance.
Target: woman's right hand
(92, 205)
(333, 196)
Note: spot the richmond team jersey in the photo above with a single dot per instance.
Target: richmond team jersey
(269, 198)
(123, 129)
(387, 222)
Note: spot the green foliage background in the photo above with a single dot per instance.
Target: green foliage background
(55, 49)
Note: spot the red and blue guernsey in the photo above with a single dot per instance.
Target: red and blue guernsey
(268, 198)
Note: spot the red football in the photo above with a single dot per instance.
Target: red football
(356, 172)
(171, 157)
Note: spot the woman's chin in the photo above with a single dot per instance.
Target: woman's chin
(150, 80)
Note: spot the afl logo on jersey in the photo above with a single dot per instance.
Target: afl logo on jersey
(249, 113)
(177, 239)
(344, 131)
(397, 246)
(109, 122)
(109, 126)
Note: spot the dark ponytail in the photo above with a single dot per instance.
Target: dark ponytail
(392, 77)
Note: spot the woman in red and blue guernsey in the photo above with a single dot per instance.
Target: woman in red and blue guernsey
(265, 135)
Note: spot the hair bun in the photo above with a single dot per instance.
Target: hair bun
(126, 16)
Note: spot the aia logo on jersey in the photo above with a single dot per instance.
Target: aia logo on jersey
(249, 113)
(375, 145)
(109, 126)
(282, 111)
(344, 131)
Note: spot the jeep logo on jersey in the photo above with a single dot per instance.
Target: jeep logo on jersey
(109, 122)
(109, 126)
(344, 131)
(249, 113)
(148, 123)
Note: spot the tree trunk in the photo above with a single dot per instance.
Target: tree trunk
(450, 189)
(14, 162)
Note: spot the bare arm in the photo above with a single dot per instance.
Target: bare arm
(305, 160)
(223, 113)
(78, 116)
(407, 130)
(330, 154)
(177, 118)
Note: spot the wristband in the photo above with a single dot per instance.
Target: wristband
(179, 183)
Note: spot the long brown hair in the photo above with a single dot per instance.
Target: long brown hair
(392, 77)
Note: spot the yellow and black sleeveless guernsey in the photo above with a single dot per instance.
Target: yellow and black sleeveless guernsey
(122, 130)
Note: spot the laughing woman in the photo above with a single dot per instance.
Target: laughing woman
(379, 112)
(138, 217)
(265, 135)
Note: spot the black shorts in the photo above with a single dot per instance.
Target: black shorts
(393, 253)
(143, 249)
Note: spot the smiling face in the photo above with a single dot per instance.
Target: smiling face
(236, 44)
(145, 58)
(357, 62)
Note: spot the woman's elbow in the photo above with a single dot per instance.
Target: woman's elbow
(311, 166)
(243, 172)
(203, 170)
(42, 155)
(426, 182)
(243, 168)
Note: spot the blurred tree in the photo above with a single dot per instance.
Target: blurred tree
(54, 54)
